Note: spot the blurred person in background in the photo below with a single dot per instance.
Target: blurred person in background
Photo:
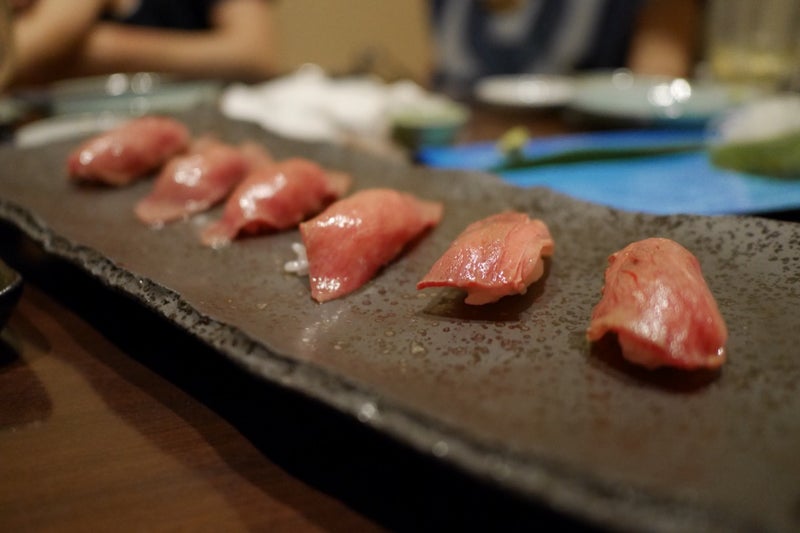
(223, 39)
(478, 38)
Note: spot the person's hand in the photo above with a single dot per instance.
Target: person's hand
(47, 33)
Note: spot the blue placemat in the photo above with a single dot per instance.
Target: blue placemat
(666, 184)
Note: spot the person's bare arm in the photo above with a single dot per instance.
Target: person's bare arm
(47, 33)
(666, 38)
(240, 45)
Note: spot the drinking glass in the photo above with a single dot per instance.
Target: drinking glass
(754, 42)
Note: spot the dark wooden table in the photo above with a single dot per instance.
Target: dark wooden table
(111, 419)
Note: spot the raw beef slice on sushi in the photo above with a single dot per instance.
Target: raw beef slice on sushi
(348, 243)
(276, 197)
(128, 152)
(657, 302)
(494, 257)
(193, 182)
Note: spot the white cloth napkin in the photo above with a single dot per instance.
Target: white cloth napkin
(310, 105)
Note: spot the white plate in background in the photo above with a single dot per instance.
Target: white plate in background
(621, 95)
(62, 127)
(526, 90)
(90, 105)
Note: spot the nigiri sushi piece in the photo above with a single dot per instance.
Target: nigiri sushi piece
(657, 302)
(132, 150)
(494, 257)
(276, 197)
(194, 182)
(350, 241)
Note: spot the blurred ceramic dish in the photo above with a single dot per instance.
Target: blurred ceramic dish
(10, 291)
(525, 90)
(623, 96)
(432, 122)
(12, 109)
(90, 105)
(762, 137)
(63, 127)
(138, 93)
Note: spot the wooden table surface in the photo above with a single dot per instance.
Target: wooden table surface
(111, 419)
(91, 439)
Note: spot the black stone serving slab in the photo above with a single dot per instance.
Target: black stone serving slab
(11, 285)
(511, 392)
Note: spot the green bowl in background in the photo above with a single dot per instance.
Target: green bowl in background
(428, 125)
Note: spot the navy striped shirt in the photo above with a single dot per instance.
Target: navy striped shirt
(536, 36)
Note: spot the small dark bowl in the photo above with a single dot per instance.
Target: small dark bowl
(10, 291)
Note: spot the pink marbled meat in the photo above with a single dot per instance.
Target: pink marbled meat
(276, 197)
(349, 242)
(132, 150)
(658, 303)
(494, 257)
(194, 182)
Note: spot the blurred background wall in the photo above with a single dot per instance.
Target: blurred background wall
(388, 37)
